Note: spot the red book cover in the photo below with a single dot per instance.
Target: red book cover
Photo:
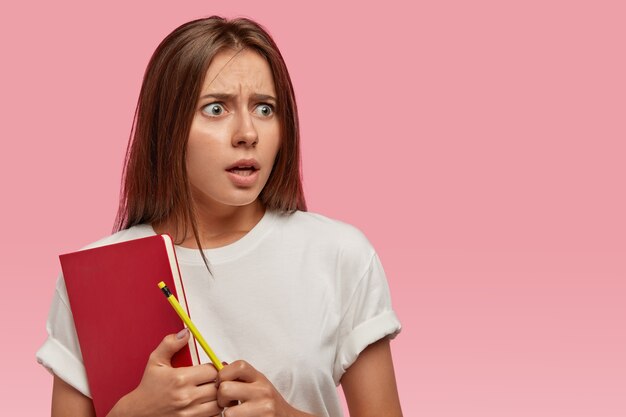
(120, 313)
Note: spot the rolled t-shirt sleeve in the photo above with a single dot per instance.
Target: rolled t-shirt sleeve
(368, 317)
(60, 353)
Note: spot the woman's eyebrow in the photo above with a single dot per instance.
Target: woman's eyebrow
(218, 96)
(263, 97)
(228, 97)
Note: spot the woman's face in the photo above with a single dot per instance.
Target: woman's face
(235, 133)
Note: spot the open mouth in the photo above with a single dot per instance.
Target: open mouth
(243, 171)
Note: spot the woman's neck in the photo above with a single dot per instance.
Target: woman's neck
(217, 228)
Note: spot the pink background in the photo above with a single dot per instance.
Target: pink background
(480, 145)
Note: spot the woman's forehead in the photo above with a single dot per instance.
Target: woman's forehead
(231, 71)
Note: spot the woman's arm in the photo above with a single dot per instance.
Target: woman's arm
(68, 401)
(369, 384)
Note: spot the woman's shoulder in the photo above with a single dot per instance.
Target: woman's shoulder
(325, 230)
(134, 232)
(320, 224)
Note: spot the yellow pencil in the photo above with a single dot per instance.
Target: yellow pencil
(194, 330)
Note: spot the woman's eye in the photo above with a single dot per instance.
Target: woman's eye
(264, 110)
(213, 109)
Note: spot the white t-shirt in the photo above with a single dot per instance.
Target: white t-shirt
(298, 297)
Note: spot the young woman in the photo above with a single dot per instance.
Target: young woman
(302, 300)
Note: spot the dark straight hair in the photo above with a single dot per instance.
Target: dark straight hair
(154, 187)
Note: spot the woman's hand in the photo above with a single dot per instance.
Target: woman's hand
(257, 396)
(167, 391)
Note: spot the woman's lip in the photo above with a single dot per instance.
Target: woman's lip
(244, 163)
(243, 180)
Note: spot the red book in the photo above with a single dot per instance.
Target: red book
(120, 313)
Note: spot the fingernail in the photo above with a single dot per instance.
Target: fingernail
(224, 363)
(182, 333)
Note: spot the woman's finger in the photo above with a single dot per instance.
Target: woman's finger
(204, 393)
(238, 371)
(204, 410)
(198, 374)
(243, 410)
(229, 392)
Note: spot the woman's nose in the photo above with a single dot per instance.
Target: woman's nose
(245, 133)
